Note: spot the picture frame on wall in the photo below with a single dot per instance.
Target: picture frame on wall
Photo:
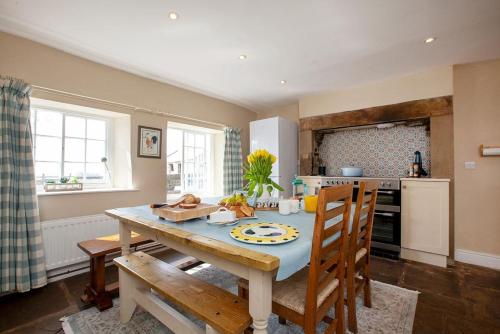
(149, 142)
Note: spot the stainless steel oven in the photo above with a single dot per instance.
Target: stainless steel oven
(386, 235)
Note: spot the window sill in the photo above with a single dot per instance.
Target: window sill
(86, 191)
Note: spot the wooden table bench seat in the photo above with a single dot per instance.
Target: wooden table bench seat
(97, 292)
(222, 311)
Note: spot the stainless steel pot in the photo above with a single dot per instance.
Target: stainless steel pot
(352, 171)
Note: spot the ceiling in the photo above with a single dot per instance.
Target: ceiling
(315, 45)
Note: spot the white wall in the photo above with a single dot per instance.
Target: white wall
(47, 67)
(433, 83)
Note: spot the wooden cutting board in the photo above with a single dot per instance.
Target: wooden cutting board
(180, 215)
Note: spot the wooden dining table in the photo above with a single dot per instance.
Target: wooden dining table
(259, 264)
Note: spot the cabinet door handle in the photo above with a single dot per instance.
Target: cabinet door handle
(385, 214)
(386, 192)
(404, 187)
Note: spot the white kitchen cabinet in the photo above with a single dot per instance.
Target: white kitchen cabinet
(425, 220)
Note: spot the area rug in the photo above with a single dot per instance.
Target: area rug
(392, 312)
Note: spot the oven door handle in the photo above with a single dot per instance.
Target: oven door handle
(386, 192)
(385, 214)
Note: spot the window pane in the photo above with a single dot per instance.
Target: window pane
(49, 123)
(96, 149)
(174, 157)
(188, 139)
(188, 154)
(96, 129)
(48, 148)
(51, 170)
(200, 155)
(75, 127)
(200, 140)
(74, 169)
(74, 150)
(188, 176)
(95, 173)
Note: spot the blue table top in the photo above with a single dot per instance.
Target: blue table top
(293, 255)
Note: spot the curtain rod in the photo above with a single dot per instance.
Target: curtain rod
(123, 105)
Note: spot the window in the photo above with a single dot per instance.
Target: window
(68, 144)
(190, 161)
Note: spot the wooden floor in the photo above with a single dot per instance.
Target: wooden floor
(461, 299)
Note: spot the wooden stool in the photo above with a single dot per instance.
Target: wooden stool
(97, 292)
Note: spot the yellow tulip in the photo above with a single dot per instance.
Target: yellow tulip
(261, 154)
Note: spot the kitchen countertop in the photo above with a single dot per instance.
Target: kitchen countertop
(419, 179)
(424, 179)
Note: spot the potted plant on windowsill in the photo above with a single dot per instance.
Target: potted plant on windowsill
(257, 173)
(63, 184)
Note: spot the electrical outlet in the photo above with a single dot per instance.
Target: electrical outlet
(470, 165)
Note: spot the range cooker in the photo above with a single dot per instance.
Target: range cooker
(386, 233)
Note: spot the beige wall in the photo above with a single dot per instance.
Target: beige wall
(48, 67)
(477, 121)
(433, 83)
(290, 112)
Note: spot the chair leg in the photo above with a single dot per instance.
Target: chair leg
(366, 286)
(351, 301)
(339, 312)
(242, 292)
(282, 320)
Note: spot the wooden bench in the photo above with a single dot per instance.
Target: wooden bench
(97, 292)
(222, 311)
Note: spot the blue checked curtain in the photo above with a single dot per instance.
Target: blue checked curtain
(233, 164)
(22, 262)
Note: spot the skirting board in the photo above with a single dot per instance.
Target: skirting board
(477, 258)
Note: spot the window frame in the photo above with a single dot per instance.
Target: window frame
(209, 158)
(108, 176)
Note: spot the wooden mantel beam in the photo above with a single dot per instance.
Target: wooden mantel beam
(410, 110)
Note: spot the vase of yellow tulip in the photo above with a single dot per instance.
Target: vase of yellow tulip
(258, 172)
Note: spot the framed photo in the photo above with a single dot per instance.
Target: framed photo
(149, 142)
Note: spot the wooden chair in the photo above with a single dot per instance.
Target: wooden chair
(306, 297)
(358, 257)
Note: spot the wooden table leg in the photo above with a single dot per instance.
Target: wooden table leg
(125, 238)
(102, 300)
(88, 296)
(260, 299)
(95, 292)
(127, 304)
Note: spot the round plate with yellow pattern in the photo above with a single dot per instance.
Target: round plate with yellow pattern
(264, 233)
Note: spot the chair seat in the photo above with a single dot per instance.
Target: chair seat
(360, 253)
(291, 292)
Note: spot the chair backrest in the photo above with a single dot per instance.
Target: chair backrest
(362, 223)
(328, 248)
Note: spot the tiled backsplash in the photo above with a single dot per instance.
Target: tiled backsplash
(380, 152)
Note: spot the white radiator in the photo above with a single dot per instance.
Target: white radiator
(61, 236)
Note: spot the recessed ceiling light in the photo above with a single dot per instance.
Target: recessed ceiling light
(243, 57)
(173, 15)
(430, 40)
(283, 82)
